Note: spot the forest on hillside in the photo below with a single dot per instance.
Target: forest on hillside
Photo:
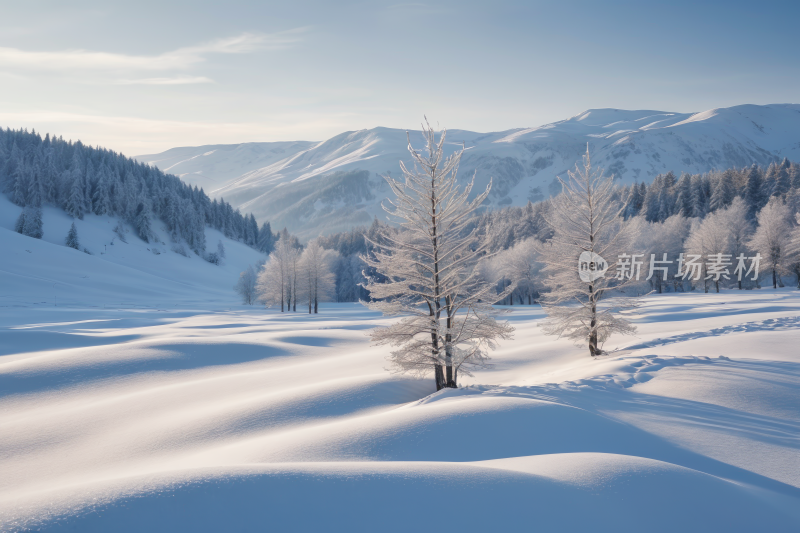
(82, 179)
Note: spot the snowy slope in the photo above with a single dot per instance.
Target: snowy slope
(211, 166)
(317, 189)
(45, 272)
(255, 420)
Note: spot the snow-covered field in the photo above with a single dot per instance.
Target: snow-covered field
(183, 419)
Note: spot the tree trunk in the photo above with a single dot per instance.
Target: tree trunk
(774, 279)
(316, 305)
(439, 374)
(716, 285)
(448, 349)
(593, 332)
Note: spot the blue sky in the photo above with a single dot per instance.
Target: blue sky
(141, 77)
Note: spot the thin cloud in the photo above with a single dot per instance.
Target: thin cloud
(182, 58)
(185, 80)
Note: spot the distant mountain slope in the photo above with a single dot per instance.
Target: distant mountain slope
(335, 184)
(212, 166)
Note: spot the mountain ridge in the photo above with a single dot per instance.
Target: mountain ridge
(634, 145)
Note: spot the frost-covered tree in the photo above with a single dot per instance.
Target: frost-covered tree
(75, 202)
(317, 281)
(772, 237)
(100, 201)
(72, 238)
(793, 252)
(519, 269)
(586, 223)
(654, 239)
(275, 279)
(754, 195)
(19, 225)
(430, 274)
(246, 286)
(735, 222)
(33, 224)
(707, 238)
(143, 223)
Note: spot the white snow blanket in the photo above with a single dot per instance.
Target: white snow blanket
(150, 401)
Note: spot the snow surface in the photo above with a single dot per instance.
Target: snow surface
(185, 412)
(45, 272)
(632, 145)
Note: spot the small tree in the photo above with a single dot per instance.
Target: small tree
(19, 225)
(709, 237)
(33, 225)
(739, 228)
(72, 238)
(275, 279)
(587, 227)
(246, 286)
(772, 237)
(317, 281)
(430, 272)
(793, 253)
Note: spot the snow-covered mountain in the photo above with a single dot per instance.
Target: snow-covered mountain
(314, 188)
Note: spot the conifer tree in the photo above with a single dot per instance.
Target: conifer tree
(753, 194)
(33, 225)
(72, 238)
(142, 222)
(19, 225)
(100, 201)
(75, 203)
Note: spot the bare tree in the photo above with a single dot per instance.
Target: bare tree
(246, 286)
(431, 271)
(589, 238)
(772, 237)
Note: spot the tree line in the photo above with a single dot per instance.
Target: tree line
(81, 179)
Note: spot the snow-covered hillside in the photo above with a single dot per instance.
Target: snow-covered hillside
(212, 166)
(253, 420)
(117, 274)
(317, 188)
